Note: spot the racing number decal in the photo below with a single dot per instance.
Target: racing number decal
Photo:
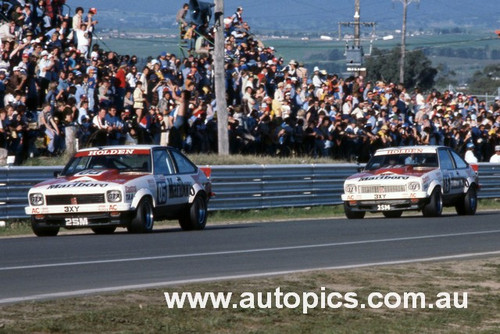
(446, 183)
(161, 189)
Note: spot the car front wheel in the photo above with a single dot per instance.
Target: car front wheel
(353, 214)
(143, 220)
(195, 217)
(43, 231)
(435, 206)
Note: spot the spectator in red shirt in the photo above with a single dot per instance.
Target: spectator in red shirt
(120, 85)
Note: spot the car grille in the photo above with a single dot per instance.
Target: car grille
(382, 189)
(74, 199)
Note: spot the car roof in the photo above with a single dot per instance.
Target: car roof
(409, 149)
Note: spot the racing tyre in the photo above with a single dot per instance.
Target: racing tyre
(435, 206)
(392, 214)
(468, 204)
(43, 231)
(353, 214)
(195, 218)
(143, 220)
(104, 230)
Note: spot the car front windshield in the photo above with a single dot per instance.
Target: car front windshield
(122, 162)
(402, 160)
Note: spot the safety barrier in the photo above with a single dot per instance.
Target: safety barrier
(239, 187)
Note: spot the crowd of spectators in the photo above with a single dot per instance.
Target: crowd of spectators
(58, 89)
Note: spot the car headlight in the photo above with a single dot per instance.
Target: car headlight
(414, 186)
(36, 199)
(114, 196)
(350, 188)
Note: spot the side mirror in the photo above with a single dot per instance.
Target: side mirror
(57, 173)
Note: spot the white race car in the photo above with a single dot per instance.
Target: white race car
(121, 186)
(422, 178)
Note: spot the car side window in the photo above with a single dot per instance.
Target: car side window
(459, 162)
(163, 163)
(445, 160)
(183, 164)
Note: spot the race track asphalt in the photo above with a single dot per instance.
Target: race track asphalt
(34, 268)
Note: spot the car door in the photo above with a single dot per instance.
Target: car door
(446, 166)
(450, 173)
(165, 176)
(184, 178)
(461, 174)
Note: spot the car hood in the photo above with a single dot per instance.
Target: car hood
(89, 179)
(396, 173)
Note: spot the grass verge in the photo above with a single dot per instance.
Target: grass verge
(145, 311)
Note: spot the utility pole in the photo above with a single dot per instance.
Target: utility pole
(357, 32)
(403, 40)
(220, 81)
(354, 55)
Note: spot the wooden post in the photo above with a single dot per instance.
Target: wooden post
(220, 81)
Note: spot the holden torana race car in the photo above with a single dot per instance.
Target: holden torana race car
(422, 178)
(121, 186)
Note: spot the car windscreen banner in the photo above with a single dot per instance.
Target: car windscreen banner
(121, 151)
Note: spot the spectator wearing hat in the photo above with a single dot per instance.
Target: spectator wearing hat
(45, 66)
(291, 69)
(317, 81)
(495, 158)
(470, 157)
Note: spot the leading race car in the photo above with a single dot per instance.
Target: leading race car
(422, 178)
(121, 186)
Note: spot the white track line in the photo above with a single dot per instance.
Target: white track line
(244, 251)
(76, 293)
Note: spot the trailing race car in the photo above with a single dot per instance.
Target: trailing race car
(121, 186)
(422, 178)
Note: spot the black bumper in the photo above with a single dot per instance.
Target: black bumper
(395, 205)
(84, 220)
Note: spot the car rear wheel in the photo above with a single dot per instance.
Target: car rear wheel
(353, 214)
(195, 217)
(468, 204)
(435, 206)
(392, 214)
(43, 231)
(143, 220)
(104, 230)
